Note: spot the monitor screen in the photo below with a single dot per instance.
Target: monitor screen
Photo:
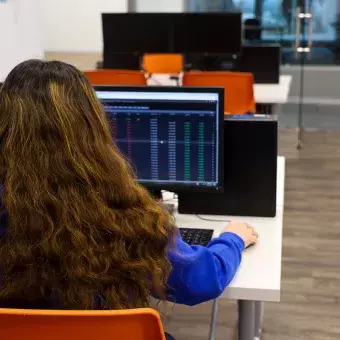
(135, 33)
(214, 33)
(173, 137)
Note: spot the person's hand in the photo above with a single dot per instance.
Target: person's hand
(243, 230)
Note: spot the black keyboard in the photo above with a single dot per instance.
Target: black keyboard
(199, 237)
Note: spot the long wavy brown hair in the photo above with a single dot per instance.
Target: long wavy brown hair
(80, 228)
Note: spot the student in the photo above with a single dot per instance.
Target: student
(76, 230)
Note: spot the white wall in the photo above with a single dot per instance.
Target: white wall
(62, 25)
(75, 25)
(20, 33)
(160, 5)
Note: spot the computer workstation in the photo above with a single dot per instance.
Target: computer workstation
(262, 60)
(128, 36)
(201, 34)
(172, 137)
(177, 140)
(200, 37)
(205, 39)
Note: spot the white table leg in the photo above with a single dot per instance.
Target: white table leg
(246, 320)
(213, 320)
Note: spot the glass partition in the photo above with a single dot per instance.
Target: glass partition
(279, 24)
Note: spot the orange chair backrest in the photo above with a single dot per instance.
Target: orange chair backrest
(239, 92)
(134, 324)
(163, 63)
(115, 77)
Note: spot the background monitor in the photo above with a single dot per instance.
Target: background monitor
(135, 32)
(215, 33)
(262, 60)
(172, 136)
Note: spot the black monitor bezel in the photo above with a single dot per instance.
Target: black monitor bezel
(181, 187)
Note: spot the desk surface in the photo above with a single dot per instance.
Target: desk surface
(259, 276)
(264, 93)
(273, 93)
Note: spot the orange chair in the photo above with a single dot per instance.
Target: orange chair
(115, 77)
(239, 92)
(171, 64)
(134, 324)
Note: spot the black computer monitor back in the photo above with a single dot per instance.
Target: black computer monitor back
(135, 32)
(250, 172)
(263, 61)
(172, 32)
(214, 33)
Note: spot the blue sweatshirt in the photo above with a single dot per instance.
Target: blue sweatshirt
(198, 274)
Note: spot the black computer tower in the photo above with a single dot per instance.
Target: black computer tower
(250, 171)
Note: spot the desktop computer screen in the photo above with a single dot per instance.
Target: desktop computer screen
(172, 136)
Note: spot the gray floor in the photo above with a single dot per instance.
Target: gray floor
(315, 116)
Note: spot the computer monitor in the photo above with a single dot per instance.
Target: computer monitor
(135, 32)
(172, 136)
(215, 33)
(263, 61)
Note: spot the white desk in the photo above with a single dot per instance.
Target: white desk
(259, 276)
(263, 93)
(273, 93)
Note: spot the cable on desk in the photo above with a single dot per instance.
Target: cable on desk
(210, 220)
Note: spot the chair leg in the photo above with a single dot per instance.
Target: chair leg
(213, 320)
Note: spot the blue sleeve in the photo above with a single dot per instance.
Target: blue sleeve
(201, 274)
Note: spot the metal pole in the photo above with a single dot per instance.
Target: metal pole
(132, 6)
(213, 321)
(246, 320)
(258, 9)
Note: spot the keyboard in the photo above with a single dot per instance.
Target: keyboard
(199, 237)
